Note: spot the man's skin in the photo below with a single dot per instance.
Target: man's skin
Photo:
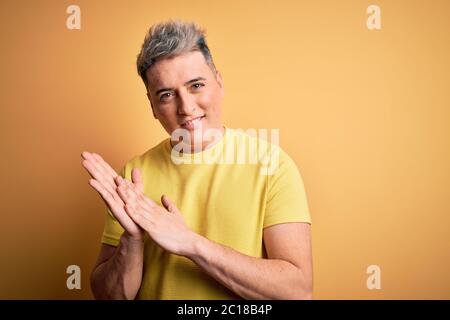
(180, 89)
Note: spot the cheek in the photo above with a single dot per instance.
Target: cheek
(168, 115)
(210, 102)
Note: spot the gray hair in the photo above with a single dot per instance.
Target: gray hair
(170, 39)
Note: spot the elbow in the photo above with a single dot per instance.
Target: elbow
(98, 291)
(301, 294)
(303, 288)
(306, 295)
(101, 291)
(94, 288)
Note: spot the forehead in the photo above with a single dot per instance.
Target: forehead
(177, 70)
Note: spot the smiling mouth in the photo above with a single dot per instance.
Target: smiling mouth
(191, 123)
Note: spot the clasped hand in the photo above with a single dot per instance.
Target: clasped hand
(137, 213)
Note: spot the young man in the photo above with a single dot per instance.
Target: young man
(231, 229)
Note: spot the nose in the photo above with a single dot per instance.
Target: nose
(186, 104)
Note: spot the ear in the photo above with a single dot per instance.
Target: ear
(220, 82)
(151, 104)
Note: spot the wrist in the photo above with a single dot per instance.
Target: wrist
(128, 240)
(129, 254)
(196, 246)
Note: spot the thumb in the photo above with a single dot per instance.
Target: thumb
(168, 204)
(136, 177)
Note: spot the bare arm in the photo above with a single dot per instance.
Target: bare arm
(286, 274)
(118, 272)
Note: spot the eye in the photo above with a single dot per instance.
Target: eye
(165, 96)
(198, 85)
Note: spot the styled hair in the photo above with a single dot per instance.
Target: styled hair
(169, 39)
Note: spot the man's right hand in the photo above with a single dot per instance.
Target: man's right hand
(104, 182)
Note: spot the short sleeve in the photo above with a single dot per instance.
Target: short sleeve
(113, 230)
(286, 196)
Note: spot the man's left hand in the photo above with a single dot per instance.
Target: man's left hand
(165, 225)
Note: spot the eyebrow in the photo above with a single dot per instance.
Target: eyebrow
(185, 84)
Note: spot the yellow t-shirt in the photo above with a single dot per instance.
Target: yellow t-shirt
(229, 199)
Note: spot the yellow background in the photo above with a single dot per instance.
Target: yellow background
(365, 115)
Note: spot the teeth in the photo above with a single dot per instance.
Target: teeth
(187, 123)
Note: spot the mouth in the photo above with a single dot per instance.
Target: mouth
(193, 123)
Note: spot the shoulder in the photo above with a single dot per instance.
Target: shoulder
(149, 158)
(262, 148)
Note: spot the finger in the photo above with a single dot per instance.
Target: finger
(140, 196)
(106, 195)
(168, 204)
(127, 194)
(130, 208)
(116, 206)
(109, 199)
(105, 165)
(106, 176)
(124, 194)
(85, 155)
(89, 165)
(147, 214)
(138, 186)
(132, 188)
(141, 200)
(144, 201)
(108, 172)
(95, 173)
(125, 183)
(119, 180)
(136, 177)
(119, 212)
(137, 216)
(149, 201)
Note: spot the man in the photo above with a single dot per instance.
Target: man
(190, 230)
